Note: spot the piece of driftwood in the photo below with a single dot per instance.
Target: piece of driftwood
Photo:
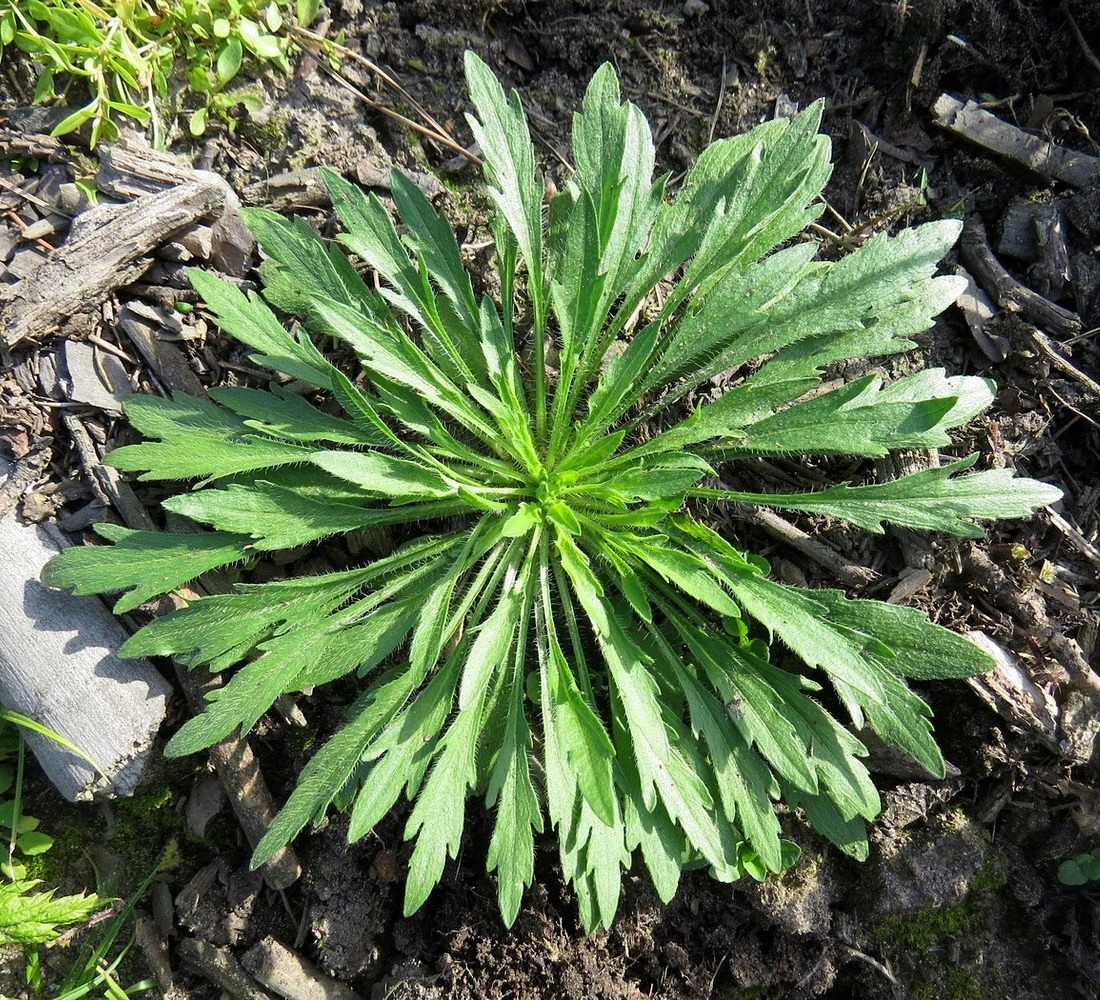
(1006, 290)
(1037, 154)
(291, 976)
(58, 666)
(130, 168)
(106, 249)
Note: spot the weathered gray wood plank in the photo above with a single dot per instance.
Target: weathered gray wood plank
(58, 666)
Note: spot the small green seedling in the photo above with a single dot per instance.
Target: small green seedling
(29, 917)
(1081, 869)
(559, 630)
(131, 58)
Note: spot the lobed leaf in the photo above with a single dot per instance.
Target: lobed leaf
(299, 268)
(501, 132)
(249, 320)
(197, 439)
(219, 630)
(145, 564)
(31, 918)
(380, 474)
(284, 414)
(330, 768)
(934, 499)
(439, 814)
(512, 848)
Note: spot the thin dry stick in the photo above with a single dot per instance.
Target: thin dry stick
(1046, 347)
(440, 137)
(1072, 409)
(17, 190)
(1006, 290)
(819, 552)
(987, 576)
(718, 103)
(1074, 536)
(316, 44)
(1089, 54)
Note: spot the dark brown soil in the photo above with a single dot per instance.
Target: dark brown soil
(960, 898)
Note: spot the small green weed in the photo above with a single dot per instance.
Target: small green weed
(1081, 869)
(28, 917)
(560, 632)
(132, 56)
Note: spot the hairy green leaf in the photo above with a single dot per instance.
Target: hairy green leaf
(935, 499)
(146, 564)
(197, 439)
(28, 917)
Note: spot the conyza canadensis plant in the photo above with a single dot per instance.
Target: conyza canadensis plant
(558, 631)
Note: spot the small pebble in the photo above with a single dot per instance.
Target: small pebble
(38, 230)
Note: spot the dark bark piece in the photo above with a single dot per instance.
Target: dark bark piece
(165, 359)
(1051, 271)
(18, 141)
(220, 967)
(980, 572)
(1012, 694)
(129, 168)
(107, 249)
(1006, 290)
(1017, 230)
(154, 948)
(107, 484)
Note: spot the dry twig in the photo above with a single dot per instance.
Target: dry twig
(848, 573)
(1037, 154)
(984, 574)
(1006, 290)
